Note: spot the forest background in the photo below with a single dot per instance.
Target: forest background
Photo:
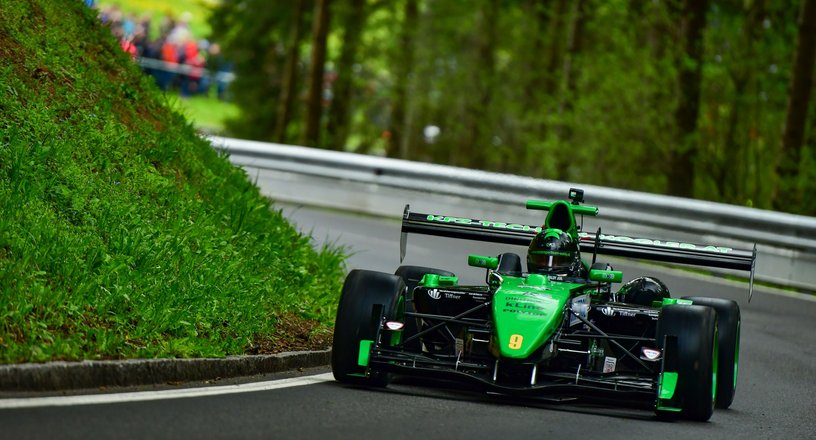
(710, 99)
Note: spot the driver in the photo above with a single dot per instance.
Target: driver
(554, 252)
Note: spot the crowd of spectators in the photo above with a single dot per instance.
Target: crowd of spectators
(169, 52)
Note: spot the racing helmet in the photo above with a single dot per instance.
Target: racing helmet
(642, 291)
(553, 252)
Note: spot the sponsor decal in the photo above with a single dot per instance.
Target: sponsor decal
(434, 294)
(582, 235)
(579, 305)
(525, 308)
(393, 325)
(650, 354)
(484, 223)
(627, 312)
(609, 364)
(526, 304)
(659, 243)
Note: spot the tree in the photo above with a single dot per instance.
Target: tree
(474, 147)
(527, 133)
(731, 176)
(695, 91)
(250, 32)
(402, 57)
(788, 186)
(555, 52)
(354, 18)
(314, 101)
(568, 87)
(683, 155)
(289, 86)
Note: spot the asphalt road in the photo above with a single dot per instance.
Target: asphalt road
(774, 400)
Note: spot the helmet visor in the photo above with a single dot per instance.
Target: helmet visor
(549, 262)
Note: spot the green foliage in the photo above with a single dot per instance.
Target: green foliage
(122, 233)
(208, 113)
(746, 77)
(514, 88)
(252, 33)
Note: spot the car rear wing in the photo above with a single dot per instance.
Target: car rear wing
(602, 244)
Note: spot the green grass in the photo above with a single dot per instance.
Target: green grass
(208, 113)
(123, 234)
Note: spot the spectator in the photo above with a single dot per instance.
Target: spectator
(190, 82)
(204, 63)
(219, 67)
(129, 25)
(129, 47)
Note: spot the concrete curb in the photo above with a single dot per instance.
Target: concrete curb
(54, 376)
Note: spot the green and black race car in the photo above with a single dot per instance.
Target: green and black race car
(556, 330)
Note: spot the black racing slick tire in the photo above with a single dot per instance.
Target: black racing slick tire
(695, 328)
(728, 326)
(355, 321)
(412, 275)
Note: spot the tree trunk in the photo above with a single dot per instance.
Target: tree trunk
(556, 50)
(567, 91)
(524, 158)
(289, 86)
(788, 190)
(574, 47)
(314, 104)
(538, 11)
(476, 145)
(731, 182)
(525, 140)
(337, 127)
(682, 158)
(403, 59)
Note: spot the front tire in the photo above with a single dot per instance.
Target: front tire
(362, 290)
(696, 330)
(728, 326)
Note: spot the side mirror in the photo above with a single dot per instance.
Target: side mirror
(605, 276)
(434, 280)
(483, 262)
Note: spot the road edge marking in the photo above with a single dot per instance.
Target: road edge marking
(143, 396)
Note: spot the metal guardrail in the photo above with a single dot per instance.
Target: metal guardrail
(786, 242)
(185, 69)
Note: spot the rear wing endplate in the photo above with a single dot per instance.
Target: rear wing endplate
(614, 245)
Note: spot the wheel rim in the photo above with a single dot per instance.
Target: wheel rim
(714, 367)
(736, 354)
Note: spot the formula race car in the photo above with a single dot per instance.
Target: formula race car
(557, 330)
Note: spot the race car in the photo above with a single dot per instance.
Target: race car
(556, 331)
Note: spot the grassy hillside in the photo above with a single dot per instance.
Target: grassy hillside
(122, 234)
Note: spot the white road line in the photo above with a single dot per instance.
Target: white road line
(142, 396)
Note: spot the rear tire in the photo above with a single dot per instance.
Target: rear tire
(354, 322)
(728, 326)
(412, 275)
(696, 330)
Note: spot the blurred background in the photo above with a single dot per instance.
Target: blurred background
(709, 99)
